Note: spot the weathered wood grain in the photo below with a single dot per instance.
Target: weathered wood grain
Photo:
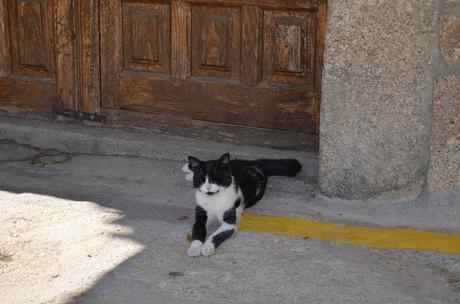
(181, 42)
(246, 62)
(111, 50)
(275, 108)
(270, 4)
(289, 45)
(32, 38)
(27, 95)
(216, 42)
(65, 50)
(4, 41)
(251, 51)
(147, 37)
(87, 55)
(27, 56)
(237, 134)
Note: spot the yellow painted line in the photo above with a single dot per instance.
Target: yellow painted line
(389, 238)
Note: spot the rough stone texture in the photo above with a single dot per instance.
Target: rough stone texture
(450, 38)
(444, 174)
(377, 97)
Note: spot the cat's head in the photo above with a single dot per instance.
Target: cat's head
(211, 176)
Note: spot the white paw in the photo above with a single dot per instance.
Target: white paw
(208, 249)
(195, 249)
(189, 177)
(186, 169)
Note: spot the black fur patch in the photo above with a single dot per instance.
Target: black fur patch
(230, 216)
(221, 237)
(282, 167)
(217, 171)
(237, 203)
(199, 228)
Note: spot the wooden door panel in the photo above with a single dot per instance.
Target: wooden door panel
(146, 32)
(252, 63)
(4, 41)
(32, 38)
(216, 42)
(49, 56)
(289, 47)
(282, 109)
(27, 54)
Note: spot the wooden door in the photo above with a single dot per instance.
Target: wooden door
(49, 56)
(27, 55)
(251, 62)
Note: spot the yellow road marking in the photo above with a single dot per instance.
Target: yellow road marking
(400, 238)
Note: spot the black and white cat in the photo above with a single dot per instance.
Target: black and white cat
(224, 189)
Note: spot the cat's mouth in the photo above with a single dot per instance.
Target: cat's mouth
(211, 193)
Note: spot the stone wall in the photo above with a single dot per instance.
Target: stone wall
(444, 173)
(378, 96)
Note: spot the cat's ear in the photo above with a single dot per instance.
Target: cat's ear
(194, 162)
(224, 159)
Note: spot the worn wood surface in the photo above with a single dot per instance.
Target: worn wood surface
(147, 36)
(283, 109)
(216, 42)
(26, 94)
(253, 63)
(271, 4)
(27, 55)
(87, 55)
(32, 44)
(111, 50)
(289, 48)
(251, 51)
(4, 41)
(65, 49)
(237, 134)
(180, 45)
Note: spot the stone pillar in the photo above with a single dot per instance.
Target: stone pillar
(444, 174)
(377, 97)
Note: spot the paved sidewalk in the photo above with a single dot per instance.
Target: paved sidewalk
(83, 228)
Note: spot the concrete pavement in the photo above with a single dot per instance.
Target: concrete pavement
(112, 227)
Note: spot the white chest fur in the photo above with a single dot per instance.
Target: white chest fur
(217, 204)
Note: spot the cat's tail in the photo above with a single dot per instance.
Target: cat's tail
(283, 167)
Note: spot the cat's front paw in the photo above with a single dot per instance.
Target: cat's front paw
(195, 249)
(208, 249)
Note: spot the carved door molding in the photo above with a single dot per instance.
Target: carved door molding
(49, 54)
(250, 63)
(253, 62)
